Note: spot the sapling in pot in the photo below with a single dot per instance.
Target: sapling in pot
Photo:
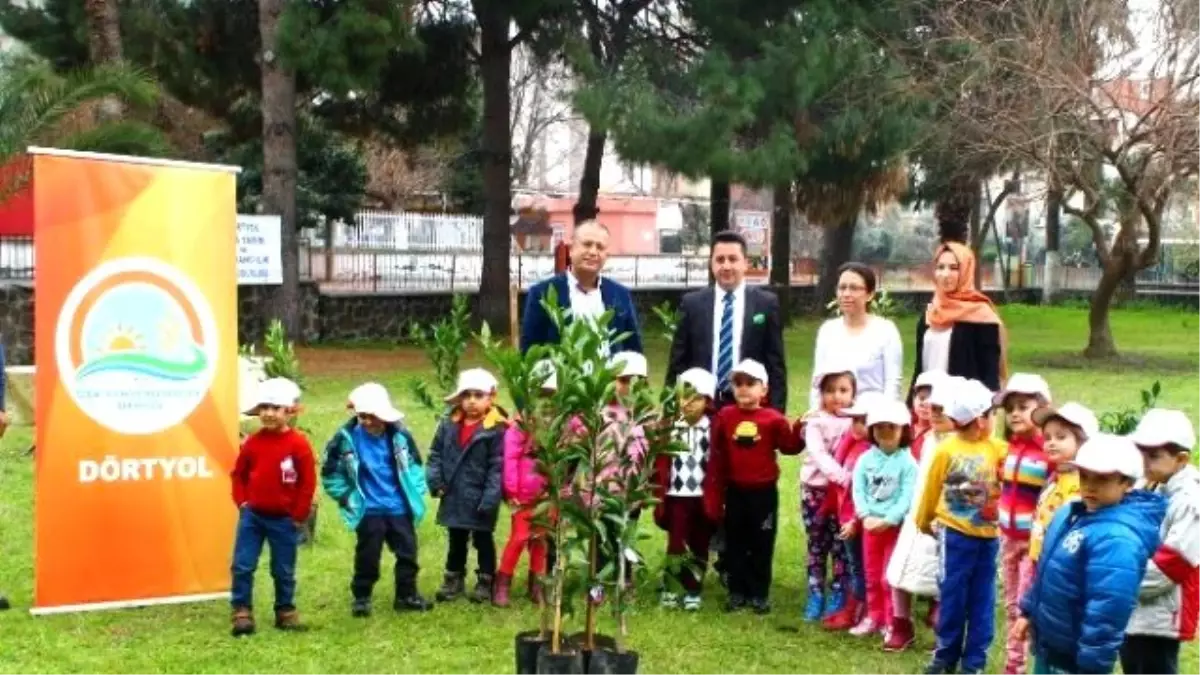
(643, 424)
(552, 423)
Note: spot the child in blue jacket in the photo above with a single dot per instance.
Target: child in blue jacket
(1092, 563)
(373, 470)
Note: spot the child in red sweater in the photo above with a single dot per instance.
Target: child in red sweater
(740, 485)
(273, 484)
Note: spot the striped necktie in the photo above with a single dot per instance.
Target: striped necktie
(725, 344)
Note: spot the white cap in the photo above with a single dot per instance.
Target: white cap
(750, 368)
(832, 368)
(864, 403)
(1107, 453)
(372, 399)
(473, 379)
(971, 400)
(629, 364)
(1024, 383)
(704, 382)
(929, 378)
(545, 371)
(277, 391)
(894, 412)
(945, 388)
(1071, 413)
(1161, 427)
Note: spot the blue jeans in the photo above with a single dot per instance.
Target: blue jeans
(280, 533)
(966, 617)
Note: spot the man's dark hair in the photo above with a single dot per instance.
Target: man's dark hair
(729, 237)
(863, 271)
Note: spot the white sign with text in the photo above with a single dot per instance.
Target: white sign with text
(259, 253)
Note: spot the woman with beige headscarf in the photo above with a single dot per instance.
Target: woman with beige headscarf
(960, 332)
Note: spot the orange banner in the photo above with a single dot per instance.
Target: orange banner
(136, 380)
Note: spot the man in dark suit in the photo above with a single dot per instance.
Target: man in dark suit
(724, 324)
(585, 292)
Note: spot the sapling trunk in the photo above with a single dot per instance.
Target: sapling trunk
(590, 627)
(619, 605)
(560, 574)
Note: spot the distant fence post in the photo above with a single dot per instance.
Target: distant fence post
(453, 269)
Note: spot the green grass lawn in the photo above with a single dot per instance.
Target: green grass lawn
(467, 638)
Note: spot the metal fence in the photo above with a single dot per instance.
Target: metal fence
(357, 266)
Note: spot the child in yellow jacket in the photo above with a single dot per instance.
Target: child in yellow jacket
(1064, 429)
(959, 505)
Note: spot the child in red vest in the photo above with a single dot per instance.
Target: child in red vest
(273, 484)
(680, 481)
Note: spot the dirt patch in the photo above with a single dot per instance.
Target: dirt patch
(337, 361)
(1122, 363)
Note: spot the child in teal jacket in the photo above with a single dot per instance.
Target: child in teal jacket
(373, 470)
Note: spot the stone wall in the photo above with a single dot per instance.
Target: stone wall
(384, 318)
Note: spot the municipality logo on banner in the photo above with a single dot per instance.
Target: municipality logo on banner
(136, 345)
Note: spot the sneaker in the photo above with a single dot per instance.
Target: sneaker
(691, 602)
(900, 636)
(735, 602)
(453, 586)
(483, 588)
(668, 600)
(4, 603)
(243, 622)
(360, 608)
(815, 606)
(288, 619)
(837, 600)
(760, 606)
(865, 627)
(938, 668)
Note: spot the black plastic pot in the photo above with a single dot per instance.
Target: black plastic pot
(567, 662)
(605, 661)
(599, 640)
(525, 647)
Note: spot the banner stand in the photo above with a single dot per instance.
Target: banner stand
(136, 380)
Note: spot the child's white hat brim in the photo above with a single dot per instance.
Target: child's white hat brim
(373, 399)
(473, 379)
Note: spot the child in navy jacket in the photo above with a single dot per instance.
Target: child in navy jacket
(1095, 553)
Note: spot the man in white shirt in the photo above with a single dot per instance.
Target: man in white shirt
(585, 292)
(724, 324)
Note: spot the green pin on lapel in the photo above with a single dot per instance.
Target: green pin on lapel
(760, 319)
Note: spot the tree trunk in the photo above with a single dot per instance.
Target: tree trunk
(495, 65)
(835, 252)
(279, 160)
(104, 47)
(1053, 264)
(977, 232)
(1100, 338)
(718, 197)
(104, 31)
(589, 180)
(781, 248)
(718, 213)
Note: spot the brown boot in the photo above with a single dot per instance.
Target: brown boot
(243, 622)
(288, 619)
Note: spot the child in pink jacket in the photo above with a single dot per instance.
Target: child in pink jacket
(523, 488)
